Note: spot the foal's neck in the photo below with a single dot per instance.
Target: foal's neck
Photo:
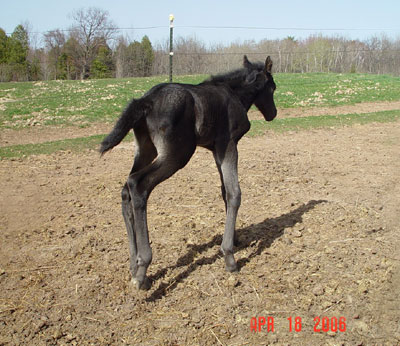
(246, 95)
(236, 82)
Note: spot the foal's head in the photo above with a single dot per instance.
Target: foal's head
(261, 76)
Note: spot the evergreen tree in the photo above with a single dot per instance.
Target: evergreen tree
(3, 47)
(62, 67)
(102, 65)
(139, 58)
(5, 70)
(148, 56)
(19, 46)
(135, 61)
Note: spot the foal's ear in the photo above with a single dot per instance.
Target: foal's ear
(268, 65)
(246, 62)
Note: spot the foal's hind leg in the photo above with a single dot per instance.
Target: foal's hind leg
(226, 157)
(127, 213)
(145, 154)
(174, 157)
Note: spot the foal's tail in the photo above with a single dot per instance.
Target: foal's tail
(136, 110)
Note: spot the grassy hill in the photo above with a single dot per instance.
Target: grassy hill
(83, 102)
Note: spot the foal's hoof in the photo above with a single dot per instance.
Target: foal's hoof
(230, 264)
(141, 285)
(232, 268)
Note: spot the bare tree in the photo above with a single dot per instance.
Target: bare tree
(54, 41)
(120, 57)
(91, 29)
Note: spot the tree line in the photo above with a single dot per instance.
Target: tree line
(316, 53)
(89, 49)
(92, 48)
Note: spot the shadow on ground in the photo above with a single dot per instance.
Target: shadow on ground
(264, 233)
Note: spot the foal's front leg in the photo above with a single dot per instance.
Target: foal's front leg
(226, 157)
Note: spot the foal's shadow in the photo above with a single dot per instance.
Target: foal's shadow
(265, 233)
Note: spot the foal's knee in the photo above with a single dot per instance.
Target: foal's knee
(125, 194)
(234, 198)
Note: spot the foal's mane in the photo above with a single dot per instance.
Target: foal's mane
(234, 78)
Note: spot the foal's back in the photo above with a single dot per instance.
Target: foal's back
(213, 110)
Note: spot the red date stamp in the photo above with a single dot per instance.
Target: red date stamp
(295, 324)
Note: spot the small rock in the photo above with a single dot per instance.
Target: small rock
(318, 290)
(43, 324)
(361, 327)
(287, 241)
(232, 281)
(296, 233)
(196, 318)
(190, 241)
(325, 305)
(362, 287)
(273, 338)
(58, 334)
(70, 337)
(298, 228)
(296, 259)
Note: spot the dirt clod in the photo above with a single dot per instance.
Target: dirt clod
(318, 290)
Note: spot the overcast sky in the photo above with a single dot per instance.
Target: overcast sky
(354, 19)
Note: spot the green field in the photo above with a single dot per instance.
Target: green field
(260, 127)
(80, 103)
(76, 103)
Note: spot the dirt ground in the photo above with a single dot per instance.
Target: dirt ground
(318, 230)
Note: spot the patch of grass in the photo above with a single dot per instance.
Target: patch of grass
(72, 144)
(330, 89)
(72, 102)
(79, 103)
(259, 127)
